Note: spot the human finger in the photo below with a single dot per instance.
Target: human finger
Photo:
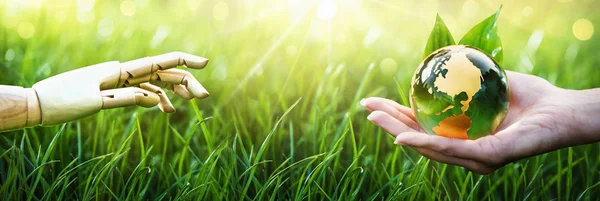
(380, 104)
(406, 110)
(482, 150)
(390, 124)
(390, 103)
(470, 165)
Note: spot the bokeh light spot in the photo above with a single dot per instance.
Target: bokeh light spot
(291, 50)
(470, 8)
(105, 27)
(128, 8)
(85, 17)
(403, 48)
(85, 5)
(161, 33)
(85, 11)
(527, 11)
(583, 29)
(388, 66)
(375, 31)
(221, 11)
(26, 30)
(33, 4)
(219, 73)
(193, 5)
(10, 55)
(326, 9)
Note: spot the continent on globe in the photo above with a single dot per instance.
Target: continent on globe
(459, 92)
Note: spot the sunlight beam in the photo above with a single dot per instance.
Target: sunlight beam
(399, 9)
(259, 65)
(251, 21)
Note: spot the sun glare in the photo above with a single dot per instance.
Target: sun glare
(326, 9)
(85, 5)
(220, 11)
(26, 30)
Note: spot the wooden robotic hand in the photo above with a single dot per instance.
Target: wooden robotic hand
(83, 92)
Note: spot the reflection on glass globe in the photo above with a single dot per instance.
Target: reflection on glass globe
(459, 92)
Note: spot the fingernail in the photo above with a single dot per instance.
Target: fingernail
(398, 143)
(370, 117)
(362, 102)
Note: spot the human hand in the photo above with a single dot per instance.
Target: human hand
(541, 118)
(85, 91)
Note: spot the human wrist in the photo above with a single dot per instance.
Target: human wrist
(583, 108)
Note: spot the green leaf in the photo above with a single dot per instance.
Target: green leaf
(440, 37)
(485, 37)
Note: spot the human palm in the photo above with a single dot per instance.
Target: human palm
(540, 119)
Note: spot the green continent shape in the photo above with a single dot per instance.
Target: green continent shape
(490, 104)
(425, 98)
(461, 77)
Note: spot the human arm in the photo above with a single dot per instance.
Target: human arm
(85, 91)
(541, 118)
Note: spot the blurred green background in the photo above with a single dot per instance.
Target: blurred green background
(266, 55)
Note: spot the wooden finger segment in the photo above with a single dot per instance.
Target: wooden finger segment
(182, 91)
(174, 59)
(165, 104)
(178, 89)
(181, 77)
(141, 70)
(129, 96)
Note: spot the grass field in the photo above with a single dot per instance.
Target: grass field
(283, 120)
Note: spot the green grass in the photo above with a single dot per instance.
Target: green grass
(283, 120)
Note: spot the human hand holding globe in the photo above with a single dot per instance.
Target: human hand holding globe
(460, 101)
(541, 118)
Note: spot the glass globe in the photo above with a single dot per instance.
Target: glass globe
(459, 92)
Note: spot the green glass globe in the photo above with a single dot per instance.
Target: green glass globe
(459, 92)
